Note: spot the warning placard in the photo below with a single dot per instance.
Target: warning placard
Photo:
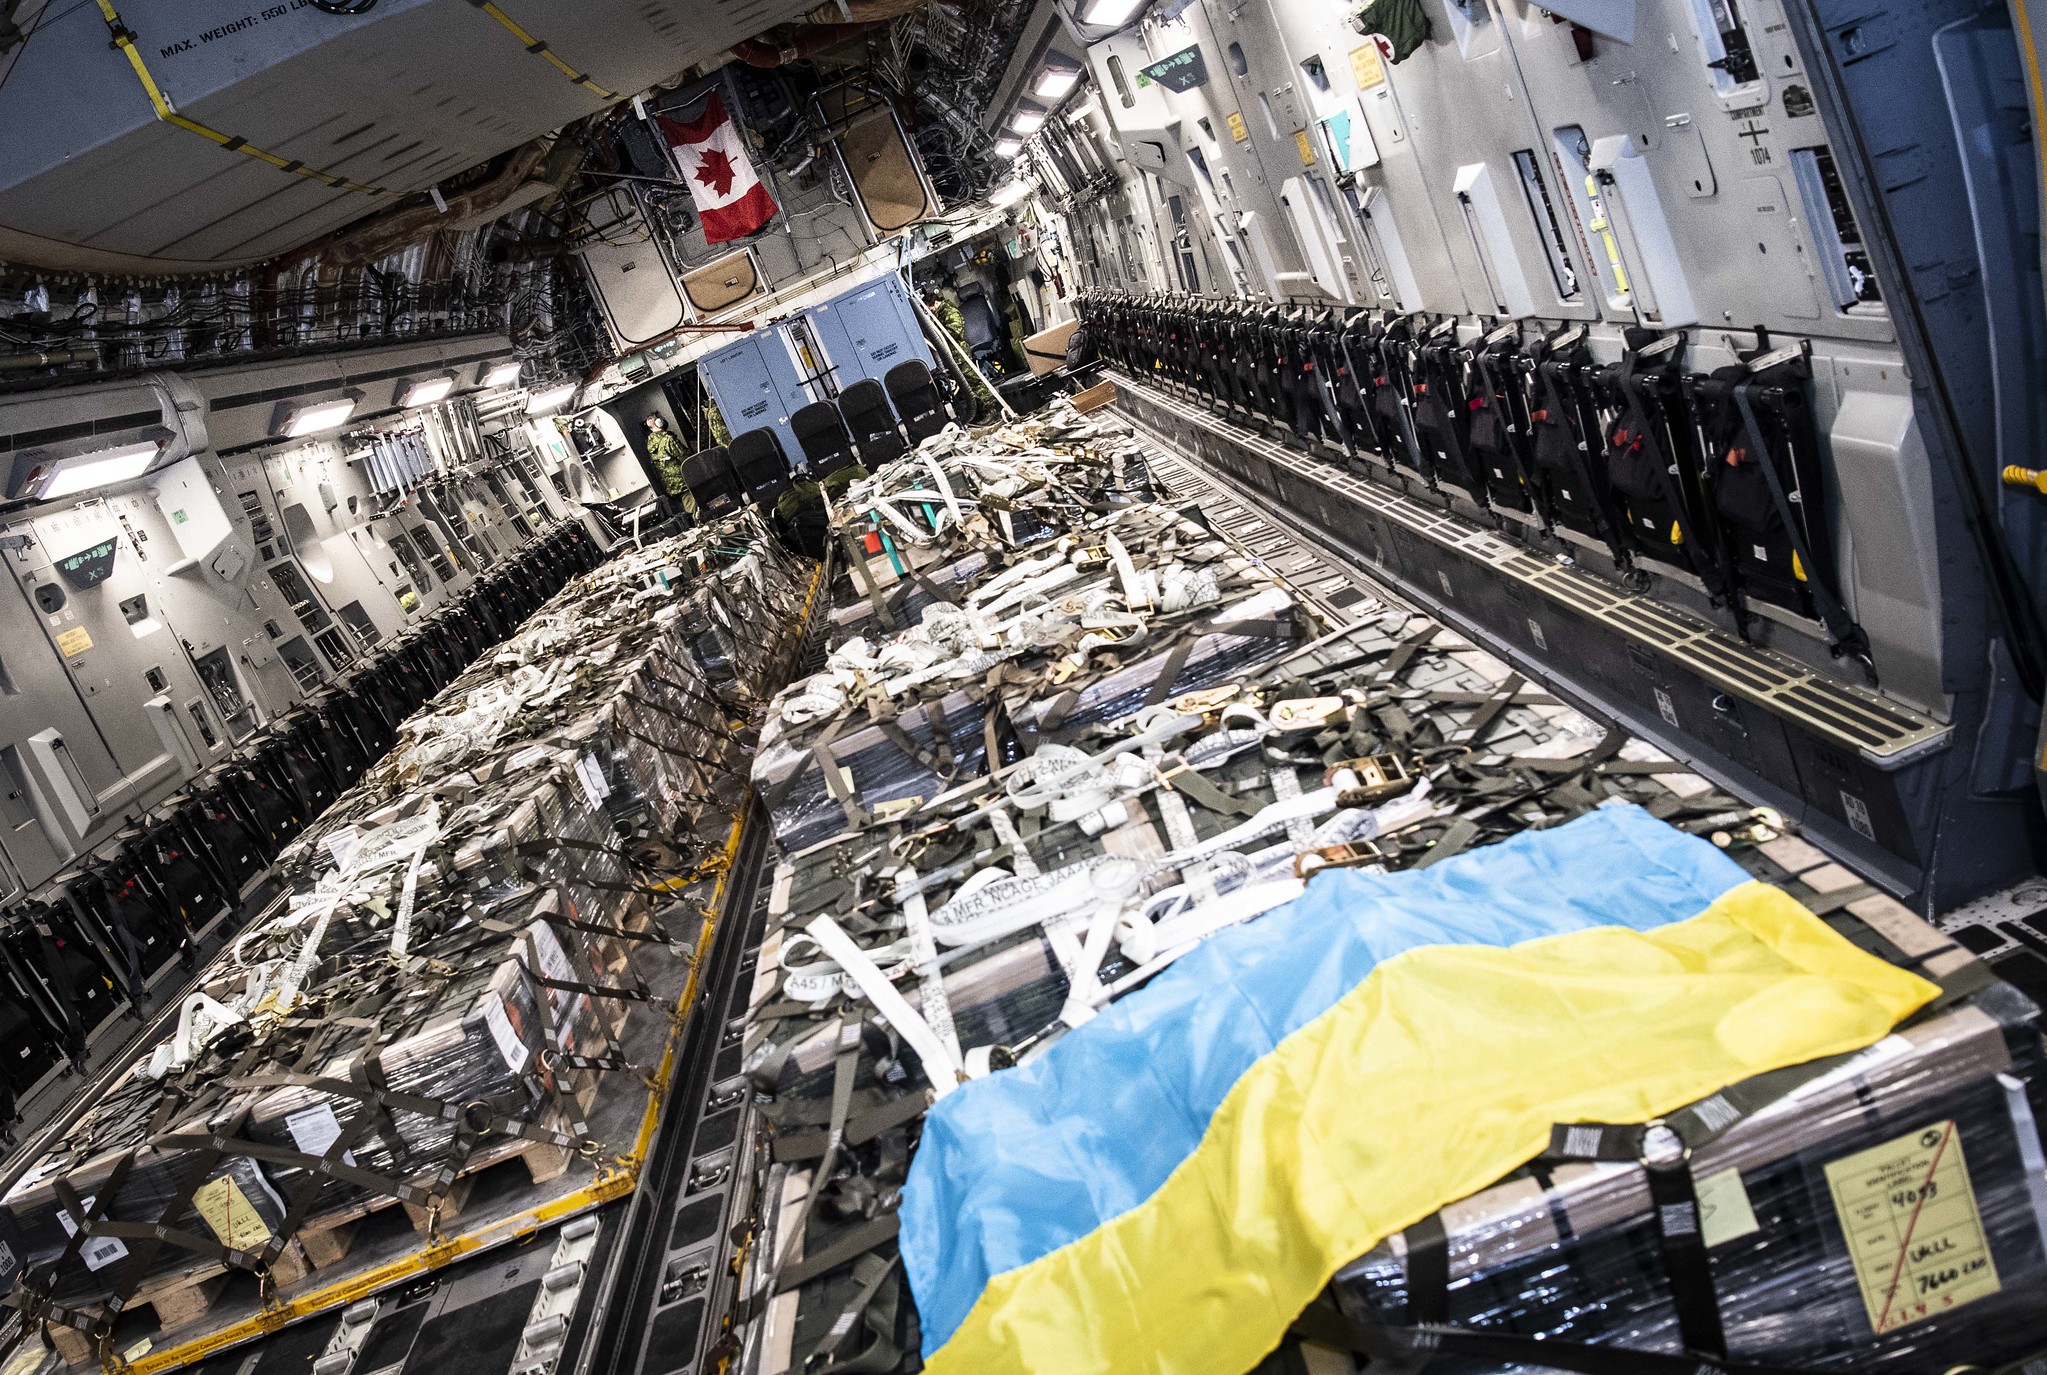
(1909, 1215)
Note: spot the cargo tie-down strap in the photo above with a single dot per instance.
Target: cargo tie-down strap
(1493, 783)
(1027, 1263)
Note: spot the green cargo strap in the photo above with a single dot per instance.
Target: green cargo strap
(844, 1070)
(871, 1272)
(860, 1129)
(1175, 774)
(840, 789)
(1169, 672)
(852, 1245)
(1452, 842)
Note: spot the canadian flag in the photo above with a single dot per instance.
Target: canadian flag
(712, 158)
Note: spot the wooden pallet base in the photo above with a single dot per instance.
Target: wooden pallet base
(186, 1298)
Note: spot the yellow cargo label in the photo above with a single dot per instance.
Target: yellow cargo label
(1914, 1235)
(74, 641)
(1725, 1213)
(1307, 148)
(1237, 129)
(1367, 66)
(229, 1213)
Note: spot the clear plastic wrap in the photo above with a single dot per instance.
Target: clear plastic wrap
(420, 997)
(1887, 1215)
(1566, 1251)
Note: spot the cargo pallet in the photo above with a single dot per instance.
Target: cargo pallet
(511, 1190)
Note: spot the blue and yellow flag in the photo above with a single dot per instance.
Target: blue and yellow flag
(1168, 1186)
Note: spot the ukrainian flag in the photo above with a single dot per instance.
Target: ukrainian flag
(1168, 1186)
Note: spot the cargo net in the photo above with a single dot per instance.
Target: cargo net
(1065, 732)
(451, 964)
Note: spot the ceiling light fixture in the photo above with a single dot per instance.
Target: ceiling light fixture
(1028, 120)
(551, 398)
(426, 390)
(97, 469)
(315, 416)
(1057, 81)
(499, 374)
(1109, 14)
(1008, 147)
(1009, 194)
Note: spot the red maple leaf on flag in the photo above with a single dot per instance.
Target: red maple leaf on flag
(714, 170)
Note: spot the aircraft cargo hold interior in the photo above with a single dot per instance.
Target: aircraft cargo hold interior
(1023, 687)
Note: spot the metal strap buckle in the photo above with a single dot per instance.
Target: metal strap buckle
(1305, 713)
(1379, 776)
(1353, 855)
(1206, 702)
(1762, 824)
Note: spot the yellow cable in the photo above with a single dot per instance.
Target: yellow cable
(2023, 24)
(124, 39)
(540, 49)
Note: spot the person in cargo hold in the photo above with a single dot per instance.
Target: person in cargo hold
(664, 455)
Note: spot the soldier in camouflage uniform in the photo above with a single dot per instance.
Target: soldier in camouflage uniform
(664, 453)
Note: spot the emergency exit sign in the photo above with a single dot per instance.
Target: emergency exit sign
(1183, 71)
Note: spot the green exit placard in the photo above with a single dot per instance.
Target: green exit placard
(1183, 71)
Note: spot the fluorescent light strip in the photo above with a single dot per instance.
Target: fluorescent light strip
(426, 391)
(1056, 83)
(550, 399)
(1027, 122)
(1008, 147)
(321, 415)
(1110, 14)
(502, 374)
(99, 468)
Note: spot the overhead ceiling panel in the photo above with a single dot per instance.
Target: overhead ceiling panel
(400, 98)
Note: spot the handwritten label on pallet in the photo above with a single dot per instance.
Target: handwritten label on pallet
(1914, 1235)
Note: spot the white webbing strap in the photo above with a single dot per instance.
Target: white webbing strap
(937, 1009)
(1286, 786)
(952, 503)
(940, 1066)
(408, 897)
(1186, 931)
